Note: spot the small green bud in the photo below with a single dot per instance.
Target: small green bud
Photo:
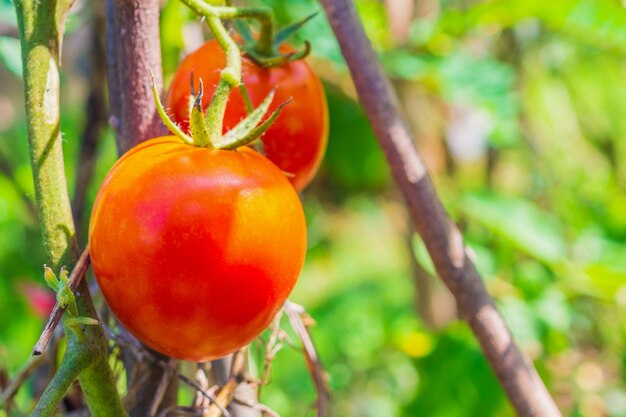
(64, 276)
(51, 278)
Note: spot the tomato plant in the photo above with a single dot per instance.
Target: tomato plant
(196, 249)
(297, 140)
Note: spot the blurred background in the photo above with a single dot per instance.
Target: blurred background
(519, 109)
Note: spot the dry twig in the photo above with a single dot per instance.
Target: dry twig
(295, 313)
(227, 392)
(272, 347)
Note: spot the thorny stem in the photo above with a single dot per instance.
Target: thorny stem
(41, 25)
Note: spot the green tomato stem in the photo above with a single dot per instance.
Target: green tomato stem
(264, 15)
(247, 130)
(230, 78)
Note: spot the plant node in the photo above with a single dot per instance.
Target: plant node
(66, 299)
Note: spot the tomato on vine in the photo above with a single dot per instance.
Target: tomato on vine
(296, 142)
(195, 250)
(197, 240)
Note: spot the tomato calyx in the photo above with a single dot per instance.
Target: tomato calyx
(206, 128)
(265, 51)
(207, 133)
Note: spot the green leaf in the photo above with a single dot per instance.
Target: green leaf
(521, 223)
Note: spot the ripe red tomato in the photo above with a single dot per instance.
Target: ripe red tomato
(196, 250)
(296, 142)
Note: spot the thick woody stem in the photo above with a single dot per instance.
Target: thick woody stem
(41, 26)
(443, 240)
(133, 50)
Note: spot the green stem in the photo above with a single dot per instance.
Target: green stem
(95, 384)
(265, 44)
(40, 51)
(41, 25)
(74, 362)
(246, 98)
(264, 15)
(230, 78)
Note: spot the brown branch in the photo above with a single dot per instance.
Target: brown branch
(133, 50)
(443, 240)
(295, 314)
(57, 312)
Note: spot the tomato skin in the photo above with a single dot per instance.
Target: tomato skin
(196, 250)
(296, 142)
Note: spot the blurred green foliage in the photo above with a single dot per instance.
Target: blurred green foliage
(518, 107)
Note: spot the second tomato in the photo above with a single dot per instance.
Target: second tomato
(296, 142)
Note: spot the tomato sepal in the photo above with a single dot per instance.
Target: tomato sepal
(198, 123)
(256, 132)
(165, 118)
(266, 57)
